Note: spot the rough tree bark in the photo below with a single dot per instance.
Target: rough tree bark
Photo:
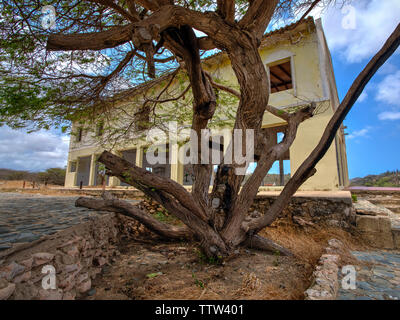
(219, 229)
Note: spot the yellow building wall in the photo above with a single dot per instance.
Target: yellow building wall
(308, 85)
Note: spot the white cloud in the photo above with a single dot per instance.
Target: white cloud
(387, 68)
(363, 96)
(388, 115)
(33, 152)
(375, 20)
(360, 133)
(389, 89)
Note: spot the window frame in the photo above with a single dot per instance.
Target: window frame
(286, 57)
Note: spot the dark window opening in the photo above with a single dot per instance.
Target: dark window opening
(281, 77)
(79, 135)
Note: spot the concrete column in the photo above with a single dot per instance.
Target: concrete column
(114, 181)
(139, 156)
(92, 171)
(176, 167)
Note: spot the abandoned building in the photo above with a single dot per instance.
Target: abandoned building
(299, 65)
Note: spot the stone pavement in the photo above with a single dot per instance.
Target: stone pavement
(378, 280)
(26, 217)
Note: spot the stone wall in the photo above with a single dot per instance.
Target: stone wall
(77, 254)
(325, 285)
(334, 211)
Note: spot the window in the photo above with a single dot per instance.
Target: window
(281, 77)
(79, 135)
(72, 166)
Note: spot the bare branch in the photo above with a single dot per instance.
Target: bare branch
(111, 4)
(222, 87)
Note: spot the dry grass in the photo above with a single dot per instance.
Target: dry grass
(308, 244)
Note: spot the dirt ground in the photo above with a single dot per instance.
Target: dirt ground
(156, 270)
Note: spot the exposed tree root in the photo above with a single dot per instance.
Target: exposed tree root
(261, 243)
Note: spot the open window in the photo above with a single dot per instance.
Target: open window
(281, 76)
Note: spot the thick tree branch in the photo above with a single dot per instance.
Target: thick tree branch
(111, 38)
(258, 16)
(125, 208)
(226, 8)
(130, 174)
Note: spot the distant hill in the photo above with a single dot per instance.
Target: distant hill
(387, 179)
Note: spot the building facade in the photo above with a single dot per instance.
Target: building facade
(299, 65)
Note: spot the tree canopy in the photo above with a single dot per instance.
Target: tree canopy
(57, 66)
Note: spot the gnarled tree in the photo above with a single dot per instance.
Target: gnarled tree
(51, 82)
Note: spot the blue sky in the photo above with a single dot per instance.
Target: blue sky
(354, 35)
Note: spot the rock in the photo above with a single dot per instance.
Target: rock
(6, 292)
(71, 267)
(42, 258)
(70, 295)
(334, 223)
(68, 283)
(92, 292)
(11, 271)
(23, 278)
(364, 207)
(67, 259)
(84, 286)
(335, 243)
(27, 263)
(73, 252)
(82, 277)
(302, 222)
(100, 261)
(56, 294)
(3, 283)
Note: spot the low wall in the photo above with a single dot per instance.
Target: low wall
(325, 285)
(77, 255)
(336, 210)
